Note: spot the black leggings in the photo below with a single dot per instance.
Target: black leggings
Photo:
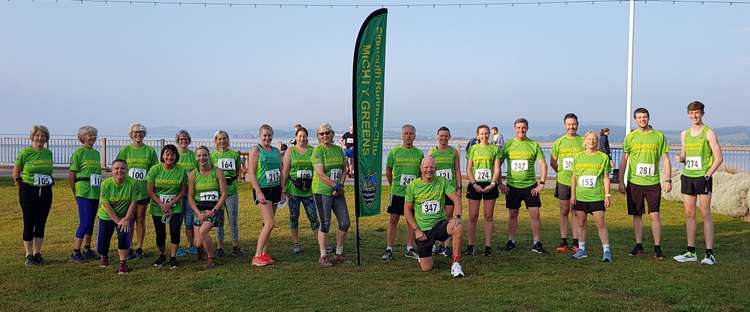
(175, 224)
(35, 203)
(106, 229)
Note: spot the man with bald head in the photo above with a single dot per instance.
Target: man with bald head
(428, 220)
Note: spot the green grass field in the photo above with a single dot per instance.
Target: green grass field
(518, 281)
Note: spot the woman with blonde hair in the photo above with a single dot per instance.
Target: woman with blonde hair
(264, 165)
(207, 191)
(32, 173)
(230, 163)
(85, 179)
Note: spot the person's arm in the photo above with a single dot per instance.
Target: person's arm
(542, 176)
(573, 186)
(286, 164)
(17, 174)
(607, 194)
(495, 175)
(320, 171)
(667, 172)
(553, 162)
(457, 164)
(713, 141)
(389, 175)
(191, 193)
(153, 196)
(222, 192)
(412, 222)
(457, 208)
(72, 182)
(252, 168)
(680, 157)
(622, 172)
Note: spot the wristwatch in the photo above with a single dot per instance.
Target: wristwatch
(458, 216)
(541, 182)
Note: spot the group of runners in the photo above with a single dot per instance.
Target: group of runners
(200, 188)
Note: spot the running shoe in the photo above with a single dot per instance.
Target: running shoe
(77, 257)
(658, 255)
(140, 253)
(470, 250)
(562, 248)
(437, 249)
(447, 252)
(686, 257)
(267, 257)
(456, 270)
(104, 262)
(709, 260)
(210, 264)
(237, 252)
(296, 249)
(580, 254)
(260, 261)
(30, 260)
(181, 252)
(509, 246)
(330, 250)
(574, 248)
(192, 250)
(410, 253)
(637, 251)
(387, 255)
(200, 253)
(487, 251)
(607, 256)
(90, 254)
(339, 259)
(220, 253)
(131, 254)
(39, 260)
(325, 262)
(160, 261)
(538, 248)
(123, 268)
(173, 263)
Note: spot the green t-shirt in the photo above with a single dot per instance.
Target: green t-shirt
(698, 154)
(187, 161)
(268, 170)
(564, 150)
(167, 185)
(404, 163)
(644, 149)
(521, 161)
(483, 158)
(229, 161)
(86, 163)
(590, 170)
(118, 196)
(300, 167)
(206, 186)
(139, 160)
(428, 200)
(332, 159)
(445, 164)
(36, 166)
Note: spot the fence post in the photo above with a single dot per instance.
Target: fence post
(162, 143)
(104, 153)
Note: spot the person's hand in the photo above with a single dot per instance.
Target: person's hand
(260, 198)
(621, 188)
(124, 224)
(667, 186)
(607, 202)
(503, 188)
(477, 188)
(203, 216)
(489, 188)
(537, 190)
(572, 199)
(419, 235)
(454, 222)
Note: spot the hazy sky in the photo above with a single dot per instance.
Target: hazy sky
(66, 64)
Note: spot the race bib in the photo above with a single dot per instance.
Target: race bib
(519, 165)
(95, 180)
(137, 174)
(567, 164)
(694, 163)
(167, 198)
(304, 174)
(587, 181)
(335, 174)
(406, 179)
(42, 180)
(209, 196)
(226, 164)
(482, 175)
(645, 170)
(273, 176)
(431, 207)
(349, 140)
(445, 173)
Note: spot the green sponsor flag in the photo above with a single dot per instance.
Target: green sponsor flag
(368, 85)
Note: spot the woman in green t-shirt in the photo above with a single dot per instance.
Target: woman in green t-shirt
(297, 177)
(207, 192)
(483, 171)
(85, 178)
(32, 173)
(264, 166)
(119, 197)
(589, 186)
(187, 162)
(230, 162)
(167, 185)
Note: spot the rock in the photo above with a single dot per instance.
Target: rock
(729, 194)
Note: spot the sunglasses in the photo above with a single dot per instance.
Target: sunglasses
(324, 133)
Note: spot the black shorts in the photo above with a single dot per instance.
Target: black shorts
(589, 207)
(439, 232)
(515, 196)
(696, 186)
(471, 193)
(272, 194)
(562, 192)
(143, 202)
(637, 194)
(217, 220)
(397, 205)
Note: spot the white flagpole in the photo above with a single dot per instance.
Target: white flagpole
(629, 92)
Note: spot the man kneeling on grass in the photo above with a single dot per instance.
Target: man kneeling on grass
(429, 221)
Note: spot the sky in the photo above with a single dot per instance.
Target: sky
(65, 64)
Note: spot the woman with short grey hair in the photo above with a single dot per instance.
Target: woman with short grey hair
(188, 163)
(85, 179)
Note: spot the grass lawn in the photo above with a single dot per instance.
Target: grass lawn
(517, 281)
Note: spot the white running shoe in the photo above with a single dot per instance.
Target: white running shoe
(709, 260)
(456, 270)
(686, 257)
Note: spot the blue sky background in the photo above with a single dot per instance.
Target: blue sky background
(67, 64)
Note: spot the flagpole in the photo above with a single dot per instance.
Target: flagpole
(629, 88)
